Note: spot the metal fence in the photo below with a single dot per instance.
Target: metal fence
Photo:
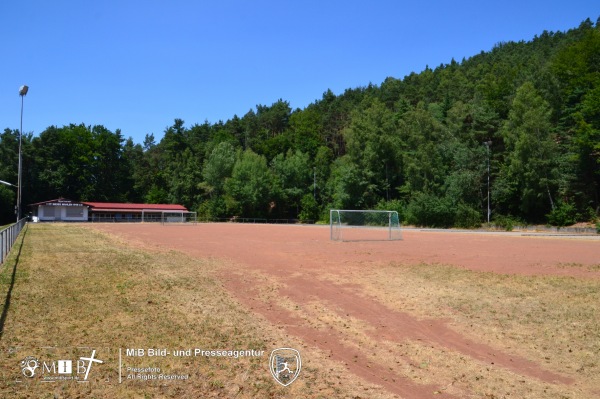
(237, 219)
(8, 236)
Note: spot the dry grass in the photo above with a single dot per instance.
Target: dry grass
(75, 287)
(591, 268)
(550, 320)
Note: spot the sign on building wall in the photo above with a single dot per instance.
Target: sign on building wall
(64, 203)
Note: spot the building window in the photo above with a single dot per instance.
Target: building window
(75, 212)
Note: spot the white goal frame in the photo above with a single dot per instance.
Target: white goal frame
(364, 225)
(178, 217)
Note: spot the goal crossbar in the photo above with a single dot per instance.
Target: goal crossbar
(364, 225)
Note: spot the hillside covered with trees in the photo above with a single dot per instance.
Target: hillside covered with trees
(420, 145)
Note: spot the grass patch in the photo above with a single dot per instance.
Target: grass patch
(591, 268)
(76, 287)
(550, 320)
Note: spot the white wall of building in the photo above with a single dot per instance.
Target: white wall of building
(63, 213)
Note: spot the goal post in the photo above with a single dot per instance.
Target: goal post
(151, 215)
(364, 225)
(177, 217)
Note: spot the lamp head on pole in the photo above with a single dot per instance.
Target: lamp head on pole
(23, 90)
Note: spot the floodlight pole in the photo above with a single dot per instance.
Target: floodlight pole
(7, 183)
(487, 145)
(22, 92)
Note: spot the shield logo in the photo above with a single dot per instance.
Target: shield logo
(285, 365)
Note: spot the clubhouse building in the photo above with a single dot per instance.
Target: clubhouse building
(65, 210)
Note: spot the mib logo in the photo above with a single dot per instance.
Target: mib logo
(285, 365)
(60, 370)
(29, 365)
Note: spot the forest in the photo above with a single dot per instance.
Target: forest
(522, 119)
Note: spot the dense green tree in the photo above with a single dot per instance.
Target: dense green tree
(217, 168)
(273, 120)
(249, 191)
(174, 140)
(346, 186)
(110, 171)
(413, 144)
(373, 144)
(183, 177)
(321, 172)
(529, 177)
(307, 131)
(427, 209)
(293, 176)
(466, 177)
(8, 200)
(9, 155)
(310, 209)
(80, 162)
(250, 128)
(9, 159)
(66, 162)
(148, 176)
(149, 142)
(577, 69)
(422, 154)
(133, 155)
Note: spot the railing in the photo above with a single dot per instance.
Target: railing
(156, 217)
(236, 219)
(8, 236)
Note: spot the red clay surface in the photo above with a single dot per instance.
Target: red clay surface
(297, 257)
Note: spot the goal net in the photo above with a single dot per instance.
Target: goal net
(177, 217)
(368, 225)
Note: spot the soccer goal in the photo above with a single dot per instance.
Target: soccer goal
(177, 217)
(368, 225)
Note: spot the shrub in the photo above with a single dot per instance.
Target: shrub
(563, 214)
(310, 209)
(211, 209)
(506, 222)
(467, 217)
(393, 205)
(429, 210)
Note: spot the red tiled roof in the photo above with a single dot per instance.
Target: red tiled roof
(119, 207)
(116, 207)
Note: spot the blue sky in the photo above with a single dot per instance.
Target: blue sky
(137, 65)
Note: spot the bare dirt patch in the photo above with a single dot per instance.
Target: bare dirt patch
(458, 315)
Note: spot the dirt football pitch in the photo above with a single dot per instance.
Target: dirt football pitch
(438, 314)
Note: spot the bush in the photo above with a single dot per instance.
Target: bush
(393, 205)
(563, 214)
(432, 211)
(310, 209)
(211, 209)
(429, 210)
(467, 217)
(507, 222)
